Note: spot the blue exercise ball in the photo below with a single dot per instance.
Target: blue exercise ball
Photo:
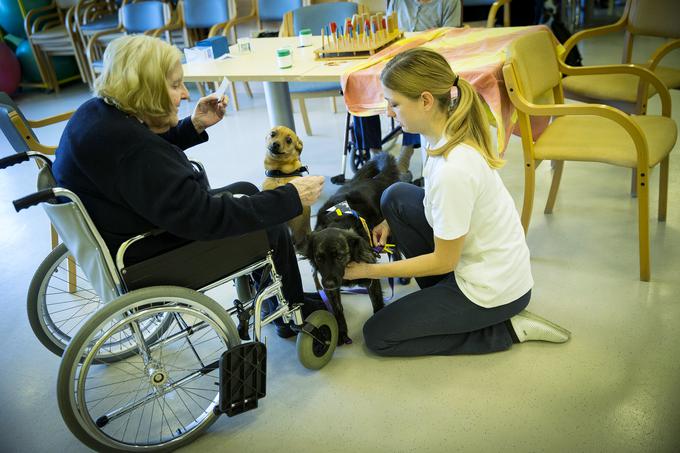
(11, 19)
(63, 66)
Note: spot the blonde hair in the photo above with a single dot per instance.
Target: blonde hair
(134, 77)
(417, 70)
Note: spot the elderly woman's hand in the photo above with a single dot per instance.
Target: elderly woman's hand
(209, 110)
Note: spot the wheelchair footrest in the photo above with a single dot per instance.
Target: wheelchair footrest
(243, 378)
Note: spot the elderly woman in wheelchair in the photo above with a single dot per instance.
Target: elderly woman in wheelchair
(151, 237)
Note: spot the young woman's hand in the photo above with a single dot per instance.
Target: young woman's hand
(380, 233)
(355, 271)
(209, 110)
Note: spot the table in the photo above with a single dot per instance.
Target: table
(477, 54)
(260, 66)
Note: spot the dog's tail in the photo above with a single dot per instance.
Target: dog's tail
(382, 166)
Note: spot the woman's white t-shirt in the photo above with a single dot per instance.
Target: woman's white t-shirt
(464, 196)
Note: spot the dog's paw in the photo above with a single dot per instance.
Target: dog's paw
(343, 338)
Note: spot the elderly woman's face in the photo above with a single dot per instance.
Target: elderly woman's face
(177, 91)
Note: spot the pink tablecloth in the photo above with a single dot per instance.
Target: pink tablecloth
(476, 54)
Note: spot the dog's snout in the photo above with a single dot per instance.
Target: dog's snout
(330, 283)
(275, 147)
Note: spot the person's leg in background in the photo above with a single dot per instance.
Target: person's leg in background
(408, 143)
(368, 133)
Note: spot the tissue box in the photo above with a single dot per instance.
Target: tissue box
(219, 45)
(196, 54)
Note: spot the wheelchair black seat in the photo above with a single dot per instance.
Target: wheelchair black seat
(199, 263)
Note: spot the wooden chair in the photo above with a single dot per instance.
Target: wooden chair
(152, 18)
(658, 18)
(51, 32)
(207, 18)
(19, 133)
(495, 6)
(316, 17)
(593, 133)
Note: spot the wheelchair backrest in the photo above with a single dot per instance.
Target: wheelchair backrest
(76, 230)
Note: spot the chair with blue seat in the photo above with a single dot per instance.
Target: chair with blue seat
(51, 32)
(151, 17)
(316, 17)
(202, 19)
(273, 12)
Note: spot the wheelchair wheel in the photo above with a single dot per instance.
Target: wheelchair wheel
(55, 312)
(358, 158)
(163, 396)
(315, 352)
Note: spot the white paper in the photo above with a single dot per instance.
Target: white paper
(222, 88)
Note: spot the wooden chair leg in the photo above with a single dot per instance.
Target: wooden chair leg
(305, 117)
(201, 89)
(557, 167)
(529, 187)
(248, 91)
(234, 99)
(54, 237)
(663, 189)
(72, 283)
(643, 225)
(633, 183)
(334, 106)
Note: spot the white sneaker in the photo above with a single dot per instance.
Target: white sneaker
(531, 327)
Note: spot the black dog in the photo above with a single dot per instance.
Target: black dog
(341, 237)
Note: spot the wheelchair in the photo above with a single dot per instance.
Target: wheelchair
(150, 361)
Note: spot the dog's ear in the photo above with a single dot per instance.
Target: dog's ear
(308, 248)
(298, 144)
(359, 249)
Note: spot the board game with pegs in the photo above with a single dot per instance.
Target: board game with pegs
(359, 37)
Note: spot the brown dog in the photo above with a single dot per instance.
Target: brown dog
(282, 164)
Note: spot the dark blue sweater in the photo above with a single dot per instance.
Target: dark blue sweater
(132, 180)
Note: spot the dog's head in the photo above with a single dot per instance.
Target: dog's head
(331, 249)
(283, 144)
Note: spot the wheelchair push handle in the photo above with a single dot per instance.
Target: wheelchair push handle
(34, 199)
(13, 160)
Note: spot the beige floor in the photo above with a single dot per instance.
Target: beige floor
(613, 387)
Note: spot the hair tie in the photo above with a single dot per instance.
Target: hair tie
(453, 103)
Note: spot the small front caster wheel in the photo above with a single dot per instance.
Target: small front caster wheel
(317, 340)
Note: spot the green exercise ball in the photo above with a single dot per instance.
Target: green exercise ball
(63, 66)
(11, 19)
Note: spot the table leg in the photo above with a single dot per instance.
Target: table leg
(279, 106)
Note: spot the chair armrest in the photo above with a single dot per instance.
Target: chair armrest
(169, 27)
(491, 19)
(27, 136)
(36, 12)
(643, 73)
(592, 32)
(95, 37)
(601, 110)
(38, 24)
(661, 52)
(51, 119)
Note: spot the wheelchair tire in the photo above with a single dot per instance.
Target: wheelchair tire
(156, 400)
(55, 313)
(48, 296)
(358, 157)
(312, 353)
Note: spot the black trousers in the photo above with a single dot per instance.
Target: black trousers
(439, 319)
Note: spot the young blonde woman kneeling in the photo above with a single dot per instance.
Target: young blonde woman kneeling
(461, 233)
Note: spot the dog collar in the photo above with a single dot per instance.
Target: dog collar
(343, 208)
(280, 174)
